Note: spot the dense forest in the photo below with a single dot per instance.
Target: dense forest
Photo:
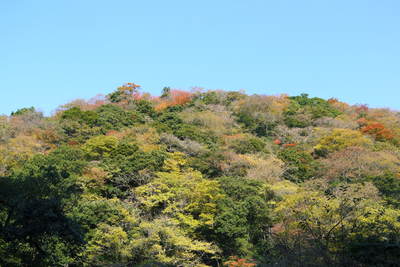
(200, 178)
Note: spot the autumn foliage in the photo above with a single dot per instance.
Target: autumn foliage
(176, 97)
(378, 131)
(239, 262)
(201, 178)
(277, 142)
(288, 145)
(130, 89)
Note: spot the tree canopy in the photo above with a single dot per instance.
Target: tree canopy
(202, 178)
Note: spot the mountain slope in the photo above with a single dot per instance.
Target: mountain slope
(200, 179)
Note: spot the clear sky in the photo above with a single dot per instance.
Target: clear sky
(53, 51)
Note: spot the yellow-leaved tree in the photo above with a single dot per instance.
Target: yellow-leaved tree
(326, 227)
(180, 196)
(340, 139)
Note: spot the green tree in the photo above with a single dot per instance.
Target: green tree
(129, 167)
(303, 110)
(300, 165)
(166, 93)
(23, 111)
(243, 217)
(34, 202)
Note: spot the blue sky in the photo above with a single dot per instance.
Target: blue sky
(52, 52)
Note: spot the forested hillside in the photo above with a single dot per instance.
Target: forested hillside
(202, 178)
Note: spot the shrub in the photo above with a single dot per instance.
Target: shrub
(191, 148)
(248, 145)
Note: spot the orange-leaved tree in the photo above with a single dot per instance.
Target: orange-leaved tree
(176, 97)
(378, 131)
(235, 261)
(125, 93)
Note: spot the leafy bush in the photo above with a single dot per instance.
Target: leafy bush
(248, 145)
